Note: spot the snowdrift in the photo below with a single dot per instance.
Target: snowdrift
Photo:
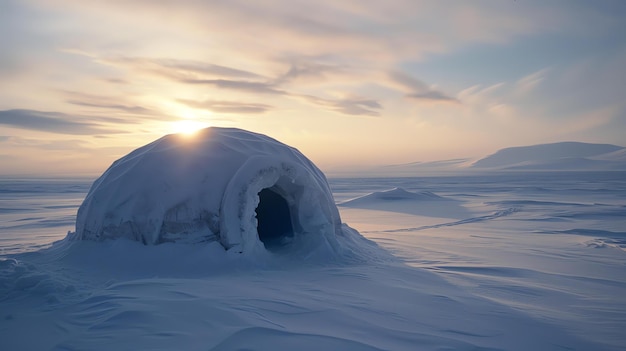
(395, 194)
(421, 203)
(245, 190)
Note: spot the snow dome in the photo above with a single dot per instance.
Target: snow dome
(243, 189)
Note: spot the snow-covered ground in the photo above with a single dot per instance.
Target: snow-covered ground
(511, 261)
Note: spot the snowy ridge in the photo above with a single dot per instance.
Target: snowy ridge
(556, 156)
(563, 156)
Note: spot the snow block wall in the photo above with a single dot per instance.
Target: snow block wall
(208, 187)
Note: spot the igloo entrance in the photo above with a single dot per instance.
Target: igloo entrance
(273, 216)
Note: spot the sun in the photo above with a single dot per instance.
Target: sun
(187, 126)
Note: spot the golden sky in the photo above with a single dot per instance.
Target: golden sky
(349, 83)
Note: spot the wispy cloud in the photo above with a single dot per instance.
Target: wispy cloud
(530, 82)
(298, 73)
(361, 30)
(116, 81)
(52, 122)
(418, 90)
(228, 106)
(111, 108)
(349, 105)
(199, 73)
(125, 108)
(48, 145)
(239, 85)
(432, 95)
(306, 70)
(191, 67)
(176, 69)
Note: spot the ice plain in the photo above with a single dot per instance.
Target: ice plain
(489, 261)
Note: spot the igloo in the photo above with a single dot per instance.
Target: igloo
(243, 189)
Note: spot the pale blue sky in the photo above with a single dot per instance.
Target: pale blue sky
(351, 83)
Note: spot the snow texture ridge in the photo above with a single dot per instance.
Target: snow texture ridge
(206, 188)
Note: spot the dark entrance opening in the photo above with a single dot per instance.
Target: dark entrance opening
(273, 219)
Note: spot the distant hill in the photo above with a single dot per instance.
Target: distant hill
(557, 156)
(563, 156)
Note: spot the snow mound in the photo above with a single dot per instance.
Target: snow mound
(395, 194)
(422, 203)
(245, 190)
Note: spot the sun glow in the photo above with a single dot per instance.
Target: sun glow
(187, 126)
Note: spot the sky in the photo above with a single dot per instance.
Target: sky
(351, 84)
